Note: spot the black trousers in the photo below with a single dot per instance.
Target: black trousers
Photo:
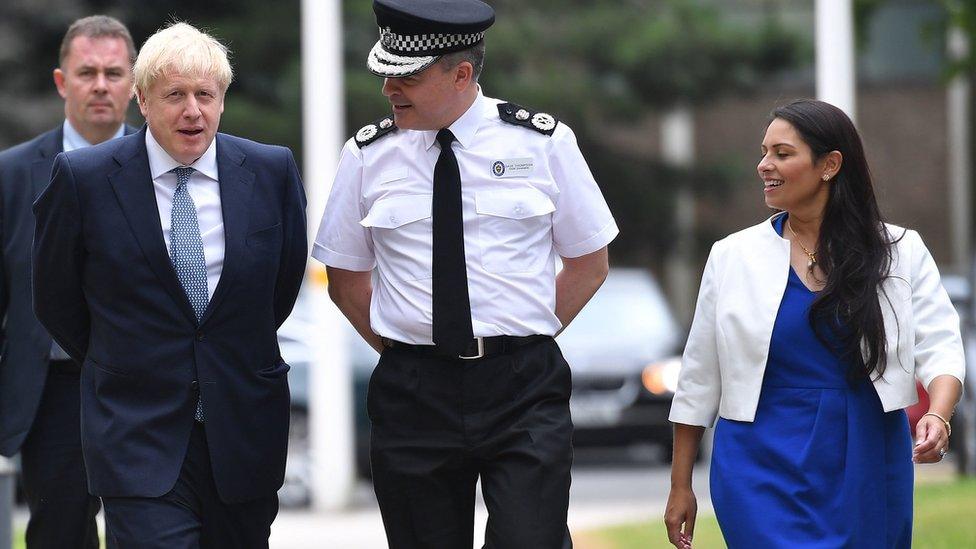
(440, 424)
(191, 515)
(62, 512)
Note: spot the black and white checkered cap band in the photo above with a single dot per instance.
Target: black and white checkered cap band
(427, 44)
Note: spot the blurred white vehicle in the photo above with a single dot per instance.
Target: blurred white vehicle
(623, 349)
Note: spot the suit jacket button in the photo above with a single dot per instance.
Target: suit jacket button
(195, 385)
(200, 336)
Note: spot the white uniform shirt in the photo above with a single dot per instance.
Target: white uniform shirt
(379, 216)
(204, 189)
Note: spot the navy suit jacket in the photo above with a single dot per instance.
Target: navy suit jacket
(105, 288)
(25, 170)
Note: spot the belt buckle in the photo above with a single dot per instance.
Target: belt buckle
(481, 350)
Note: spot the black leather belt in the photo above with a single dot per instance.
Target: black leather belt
(480, 347)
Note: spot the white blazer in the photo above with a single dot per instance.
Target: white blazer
(742, 286)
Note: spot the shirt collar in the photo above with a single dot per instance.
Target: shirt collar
(73, 140)
(465, 126)
(161, 162)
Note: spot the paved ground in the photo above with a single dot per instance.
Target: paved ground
(601, 496)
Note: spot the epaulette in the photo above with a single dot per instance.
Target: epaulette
(371, 132)
(541, 122)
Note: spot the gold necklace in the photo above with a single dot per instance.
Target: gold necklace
(811, 256)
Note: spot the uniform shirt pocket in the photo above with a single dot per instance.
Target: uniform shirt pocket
(401, 229)
(514, 229)
(395, 174)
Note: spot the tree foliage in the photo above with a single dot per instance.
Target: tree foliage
(962, 15)
(596, 65)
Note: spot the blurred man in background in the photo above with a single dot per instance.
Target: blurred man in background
(39, 383)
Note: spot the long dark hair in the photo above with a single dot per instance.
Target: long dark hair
(855, 247)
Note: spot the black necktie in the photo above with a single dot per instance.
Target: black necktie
(451, 306)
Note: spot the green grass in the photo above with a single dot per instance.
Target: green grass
(945, 515)
(644, 536)
(944, 519)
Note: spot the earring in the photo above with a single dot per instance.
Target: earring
(826, 177)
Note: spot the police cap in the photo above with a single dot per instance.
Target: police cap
(414, 34)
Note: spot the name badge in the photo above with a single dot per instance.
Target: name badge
(514, 167)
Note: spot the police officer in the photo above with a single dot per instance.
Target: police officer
(440, 237)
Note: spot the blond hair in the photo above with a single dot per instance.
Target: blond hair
(182, 49)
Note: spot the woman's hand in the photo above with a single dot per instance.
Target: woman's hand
(682, 506)
(681, 511)
(931, 440)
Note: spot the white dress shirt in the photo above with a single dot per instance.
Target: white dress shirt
(546, 203)
(72, 140)
(746, 274)
(204, 189)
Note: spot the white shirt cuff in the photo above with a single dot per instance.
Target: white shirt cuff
(335, 259)
(591, 244)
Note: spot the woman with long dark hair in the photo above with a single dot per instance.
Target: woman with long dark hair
(809, 333)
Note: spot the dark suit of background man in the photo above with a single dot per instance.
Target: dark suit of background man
(165, 261)
(38, 381)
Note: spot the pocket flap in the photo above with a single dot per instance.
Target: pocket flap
(263, 235)
(514, 203)
(268, 230)
(397, 211)
(395, 174)
(276, 370)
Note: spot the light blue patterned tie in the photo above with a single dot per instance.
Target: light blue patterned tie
(186, 252)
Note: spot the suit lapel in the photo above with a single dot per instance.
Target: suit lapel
(133, 187)
(50, 146)
(236, 186)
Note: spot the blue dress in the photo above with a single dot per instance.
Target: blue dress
(822, 465)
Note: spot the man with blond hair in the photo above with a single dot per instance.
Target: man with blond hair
(165, 262)
(38, 381)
